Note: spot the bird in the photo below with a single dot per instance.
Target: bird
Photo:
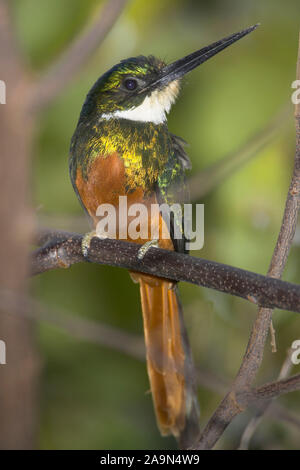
(122, 147)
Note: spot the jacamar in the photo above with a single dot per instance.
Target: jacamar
(122, 147)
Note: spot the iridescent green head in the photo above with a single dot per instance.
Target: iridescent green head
(126, 88)
(144, 88)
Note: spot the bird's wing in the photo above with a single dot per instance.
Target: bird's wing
(172, 189)
(178, 144)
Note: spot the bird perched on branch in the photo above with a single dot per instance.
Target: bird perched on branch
(122, 147)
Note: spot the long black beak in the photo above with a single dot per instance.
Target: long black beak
(182, 66)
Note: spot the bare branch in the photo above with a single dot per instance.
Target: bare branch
(274, 389)
(71, 61)
(65, 250)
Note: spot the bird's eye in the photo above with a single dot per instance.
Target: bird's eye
(130, 84)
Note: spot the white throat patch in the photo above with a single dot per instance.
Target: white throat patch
(154, 107)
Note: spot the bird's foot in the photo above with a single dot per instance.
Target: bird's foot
(146, 247)
(87, 238)
(86, 242)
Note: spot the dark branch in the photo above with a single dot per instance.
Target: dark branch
(274, 389)
(65, 250)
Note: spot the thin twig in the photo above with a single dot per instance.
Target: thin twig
(72, 60)
(272, 390)
(65, 249)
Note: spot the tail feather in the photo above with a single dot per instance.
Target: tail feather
(169, 363)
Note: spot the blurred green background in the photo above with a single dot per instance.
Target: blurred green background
(94, 397)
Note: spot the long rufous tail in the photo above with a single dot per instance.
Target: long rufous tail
(169, 362)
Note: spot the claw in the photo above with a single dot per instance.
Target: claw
(145, 248)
